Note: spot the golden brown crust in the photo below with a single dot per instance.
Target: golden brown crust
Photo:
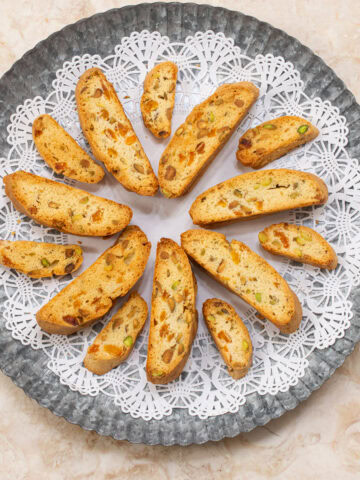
(90, 295)
(199, 139)
(40, 259)
(260, 286)
(173, 322)
(255, 194)
(158, 100)
(65, 208)
(110, 133)
(61, 152)
(272, 139)
(300, 243)
(235, 345)
(112, 345)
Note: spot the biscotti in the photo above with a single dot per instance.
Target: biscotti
(299, 243)
(39, 260)
(246, 274)
(110, 134)
(204, 132)
(273, 139)
(115, 342)
(65, 208)
(259, 193)
(230, 335)
(158, 100)
(90, 295)
(173, 323)
(62, 153)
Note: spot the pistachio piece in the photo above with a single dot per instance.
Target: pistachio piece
(167, 355)
(256, 186)
(263, 238)
(170, 172)
(269, 126)
(108, 268)
(175, 285)
(301, 241)
(84, 200)
(245, 345)
(76, 218)
(45, 262)
(157, 373)
(202, 251)
(78, 250)
(276, 243)
(212, 318)
(128, 341)
(306, 235)
(298, 252)
(303, 129)
(273, 300)
(265, 182)
(258, 297)
(238, 193)
(69, 267)
(211, 117)
(294, 195)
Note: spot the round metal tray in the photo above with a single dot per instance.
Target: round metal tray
(32, 75)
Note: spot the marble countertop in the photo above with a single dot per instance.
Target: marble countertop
(320, 439)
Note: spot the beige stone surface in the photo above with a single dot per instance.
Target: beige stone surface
(319, 440)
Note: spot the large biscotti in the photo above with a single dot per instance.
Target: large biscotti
(204, 132)
(230, 335)
(38, 260)
(273, 139)
(173, 323)
(299, 243)
(246, 274)
(110, 134)
(90, 295)
(116, 340)
(259, 193)
(62, 153)
(65, 208)
(158, 100)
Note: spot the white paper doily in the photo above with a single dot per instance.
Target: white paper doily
(204, 388)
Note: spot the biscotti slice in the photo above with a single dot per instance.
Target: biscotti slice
(115, 342)
(299, 243)
(173, 323)
(39, 260)
(158, 100)
(204, 132)
(245, 273)
(62, 153)
(230, 335)
(65, 208)
(90, 295)
(259, 193)
(273, 139)
(110, 134)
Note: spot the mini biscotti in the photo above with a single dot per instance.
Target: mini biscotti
(90, 295)
(230, 335)
(299, 243)
(173, 323)
(205, 131)
(158, 100)
(65, 208)
(259, 193)
(245, 273)
(62, 153)
(39, 260)
(273, 139)
(110, 134)
(115, 342)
